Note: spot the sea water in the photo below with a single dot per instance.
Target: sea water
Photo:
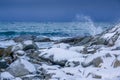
(52, 29)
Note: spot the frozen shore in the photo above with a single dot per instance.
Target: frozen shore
(80, 58)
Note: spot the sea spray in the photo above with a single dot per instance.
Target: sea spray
(88, 25)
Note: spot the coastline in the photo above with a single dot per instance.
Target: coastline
(79, 58)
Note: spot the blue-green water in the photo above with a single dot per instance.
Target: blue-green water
(56, 29)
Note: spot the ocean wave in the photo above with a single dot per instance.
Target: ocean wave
(10, 33)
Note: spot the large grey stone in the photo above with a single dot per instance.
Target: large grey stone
(24, 38)
(21, 67)
(29, 45)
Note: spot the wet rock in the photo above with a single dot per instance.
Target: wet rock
(42, 39)
(31, 37)
(3, 64)
(21, 67)
(24, 38)
(71, 40)
(29, 45)
(84, 41)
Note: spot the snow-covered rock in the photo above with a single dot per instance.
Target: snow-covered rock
(18, 46)
(112, 35)
(7, 43)
(77, 48)
(6, 76)
(107, 74)
(29, 44)
(99, 58)
(59, 55)
(20, 53)
(61, 45)
(21, 67)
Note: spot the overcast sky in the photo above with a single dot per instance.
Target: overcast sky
(58, 10)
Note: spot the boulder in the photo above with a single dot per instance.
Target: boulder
(6, 76)
(21, 67)
(42, 39)
(71, 41)
(34, 38)
(18, 46)
(94, 62)
(61, 45)
(6, 51)
(58, 55)
(111, 36)
(97, 61)
(97, 40)
(96, 76)
(29, 45)
(78, 49)
(3, 64)
(2, 51)
(116, 62)
(19, 53)
(51, 72)
(33, 54)
(89, 50)
(84, 41)
(22, 38)
(31, 77)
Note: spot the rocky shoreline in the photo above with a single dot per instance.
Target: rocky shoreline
(80, 58)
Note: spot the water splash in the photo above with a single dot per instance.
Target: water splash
(88, 25)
